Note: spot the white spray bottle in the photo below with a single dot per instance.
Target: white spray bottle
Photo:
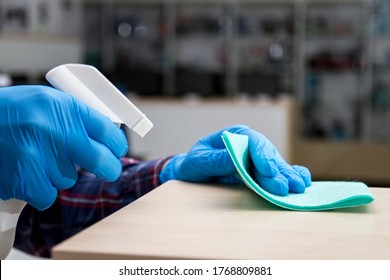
(92, 88)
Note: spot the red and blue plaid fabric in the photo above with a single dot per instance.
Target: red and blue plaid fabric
(89, 201)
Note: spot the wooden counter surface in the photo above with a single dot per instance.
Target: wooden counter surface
(199, 221)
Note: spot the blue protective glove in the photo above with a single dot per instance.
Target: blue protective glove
(209, 161)
(44, 133)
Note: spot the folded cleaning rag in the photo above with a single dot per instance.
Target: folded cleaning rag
(321, 195)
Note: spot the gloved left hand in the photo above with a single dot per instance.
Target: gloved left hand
(209, 161)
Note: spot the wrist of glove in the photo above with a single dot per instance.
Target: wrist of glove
(188, 168)
(172, 168)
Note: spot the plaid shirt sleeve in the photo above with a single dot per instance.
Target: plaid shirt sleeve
(89, 201)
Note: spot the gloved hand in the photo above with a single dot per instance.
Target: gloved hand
(44, 133)
(209, 161)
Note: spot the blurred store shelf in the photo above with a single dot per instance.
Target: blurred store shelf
(331, 57)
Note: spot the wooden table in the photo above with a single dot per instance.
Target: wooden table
(201, 221)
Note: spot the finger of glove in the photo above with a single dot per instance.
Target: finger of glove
(33, 185)
(277, 185)
(295, 182)
(102, 129)
(95, 158)
(61, 170)
(262, 153)
(62, 173)
(40, 193)
(304, 173)
(261, 150)
(213, 140)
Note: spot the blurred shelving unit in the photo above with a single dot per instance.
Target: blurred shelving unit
(38, 35)
(202, 48)
(343, 112)
(379, 99)
(138, 47)
(202, 31)
(125, 39)
(333, 69)
(265, 47)
(331, 56)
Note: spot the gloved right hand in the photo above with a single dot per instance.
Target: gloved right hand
(209, 161)
(44, 133)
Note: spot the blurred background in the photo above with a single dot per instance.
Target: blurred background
(310, 75)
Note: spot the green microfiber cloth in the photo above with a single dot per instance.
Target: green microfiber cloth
(321, 195)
